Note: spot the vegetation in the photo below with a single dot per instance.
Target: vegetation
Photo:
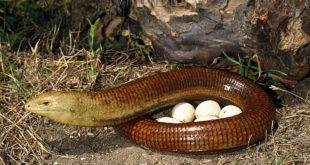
(26, 21)
(251, 69)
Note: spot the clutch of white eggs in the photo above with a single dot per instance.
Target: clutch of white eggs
(207, 110)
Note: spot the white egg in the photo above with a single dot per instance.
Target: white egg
(184, 112)
(207, 108)
(229, 111)
(206, 118)
(168, 120)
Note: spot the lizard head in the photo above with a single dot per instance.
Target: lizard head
(63, 107)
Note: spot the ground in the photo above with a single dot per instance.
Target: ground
(290, 144)
(26, 138)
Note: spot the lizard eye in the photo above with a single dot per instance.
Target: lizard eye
(45, 103)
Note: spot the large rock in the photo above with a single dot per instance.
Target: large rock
(198, 31)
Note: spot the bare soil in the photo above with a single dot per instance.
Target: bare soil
(289, 144)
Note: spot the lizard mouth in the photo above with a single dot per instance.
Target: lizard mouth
(29, 107)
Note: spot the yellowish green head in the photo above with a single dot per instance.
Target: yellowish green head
(63, 107)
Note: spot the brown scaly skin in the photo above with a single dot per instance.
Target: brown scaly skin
(119, 106)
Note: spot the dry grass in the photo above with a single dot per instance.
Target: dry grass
(29, 139)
